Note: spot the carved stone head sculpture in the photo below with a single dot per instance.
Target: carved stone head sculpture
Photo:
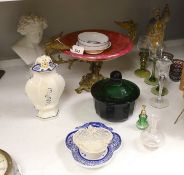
(31, 27)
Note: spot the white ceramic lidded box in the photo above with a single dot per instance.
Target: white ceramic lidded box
(92, 141)
(45, 88)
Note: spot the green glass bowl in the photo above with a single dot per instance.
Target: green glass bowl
(114, 97)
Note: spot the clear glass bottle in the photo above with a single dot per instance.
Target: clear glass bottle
(152, 138)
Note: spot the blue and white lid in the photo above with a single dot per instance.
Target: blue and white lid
(44, 64)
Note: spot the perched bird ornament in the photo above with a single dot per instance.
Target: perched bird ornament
(130, 26)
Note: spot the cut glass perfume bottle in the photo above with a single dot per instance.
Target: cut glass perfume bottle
(152, 138)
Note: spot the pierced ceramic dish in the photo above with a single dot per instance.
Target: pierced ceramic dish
(92, 141)
(92, 38)
(104, 158)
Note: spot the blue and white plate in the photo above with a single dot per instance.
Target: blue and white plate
(80, 157)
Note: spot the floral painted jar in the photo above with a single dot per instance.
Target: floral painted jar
(45, 87)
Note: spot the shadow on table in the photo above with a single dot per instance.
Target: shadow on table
(71, 165)
(17, 110)
(84, 111)
(124, 64)
(171, 129)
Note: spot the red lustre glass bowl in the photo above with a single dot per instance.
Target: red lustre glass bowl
(120, 45)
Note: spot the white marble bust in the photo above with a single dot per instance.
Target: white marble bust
(28, 47)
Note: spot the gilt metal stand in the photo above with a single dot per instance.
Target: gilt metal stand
(120, 45)
(90, 78)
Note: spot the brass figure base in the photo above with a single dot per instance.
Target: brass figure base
(2, 72)
(89, 79)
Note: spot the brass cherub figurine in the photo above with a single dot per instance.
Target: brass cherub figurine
(157, 25)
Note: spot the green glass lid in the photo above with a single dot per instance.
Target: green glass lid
(115, 89)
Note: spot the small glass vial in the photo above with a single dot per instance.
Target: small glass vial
(152, 138)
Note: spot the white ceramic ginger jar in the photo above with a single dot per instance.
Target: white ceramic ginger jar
(45, 88)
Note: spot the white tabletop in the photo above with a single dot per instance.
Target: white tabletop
(38, 146)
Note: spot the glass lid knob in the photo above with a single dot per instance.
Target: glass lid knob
(116, 75)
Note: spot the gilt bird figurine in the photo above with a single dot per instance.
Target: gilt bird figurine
(130, 26)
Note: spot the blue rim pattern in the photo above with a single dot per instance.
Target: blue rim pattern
(94, 124)
(113, 146)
